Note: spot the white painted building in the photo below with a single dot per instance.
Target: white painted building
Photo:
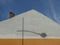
(33, 21)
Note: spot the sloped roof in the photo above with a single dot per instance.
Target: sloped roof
(33, 21)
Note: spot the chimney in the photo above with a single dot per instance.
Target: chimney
(11, 15)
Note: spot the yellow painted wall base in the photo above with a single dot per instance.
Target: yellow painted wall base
(30, 41)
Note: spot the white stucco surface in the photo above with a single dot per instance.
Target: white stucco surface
(33, 21)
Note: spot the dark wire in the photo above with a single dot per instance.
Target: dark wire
(22, 31)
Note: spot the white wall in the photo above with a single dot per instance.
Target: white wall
(33, 21)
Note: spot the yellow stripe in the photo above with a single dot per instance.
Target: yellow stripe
(30, 41)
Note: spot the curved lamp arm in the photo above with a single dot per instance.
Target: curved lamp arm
(43, 35)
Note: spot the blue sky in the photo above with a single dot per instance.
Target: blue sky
(50, 8)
